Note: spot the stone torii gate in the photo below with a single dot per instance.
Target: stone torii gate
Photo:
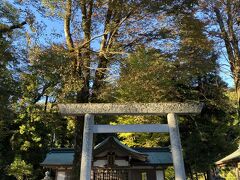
(169, 109)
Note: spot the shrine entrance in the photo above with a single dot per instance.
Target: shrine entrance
(169, 109)
(110, 174)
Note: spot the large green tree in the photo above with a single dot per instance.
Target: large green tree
(9, 23)
(171, 59)
(189, 74)
(223, 19)
(97, 33)
(40, 127)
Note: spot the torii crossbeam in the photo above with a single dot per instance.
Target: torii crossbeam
(169, 109)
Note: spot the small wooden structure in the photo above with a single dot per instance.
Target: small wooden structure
(169, 109)
(113, 160)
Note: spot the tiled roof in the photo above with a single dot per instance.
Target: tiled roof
(57, 157)
(113, 143)
(154, 156)
(234, 157)
(157, 156)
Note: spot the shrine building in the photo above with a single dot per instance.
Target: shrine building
(113, 160)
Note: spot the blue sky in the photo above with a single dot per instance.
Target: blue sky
(225, 72)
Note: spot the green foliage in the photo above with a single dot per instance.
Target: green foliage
(20, 169)
(142, 139)
(9, 90)
(171, 59)
(169, 173)
(144, 69)
(8, 13)
(150, 75)
(208, 132)
(52, 72)
(39, 125)
(228, 173)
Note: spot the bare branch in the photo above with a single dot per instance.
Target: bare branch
(95, 37)
(225, 37)
(116, 28)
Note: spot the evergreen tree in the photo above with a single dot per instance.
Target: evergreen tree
(115, 24)
(40, 126)
(191, 74)
(9, 22)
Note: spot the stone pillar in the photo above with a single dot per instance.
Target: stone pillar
(86, 161)
(176, 147)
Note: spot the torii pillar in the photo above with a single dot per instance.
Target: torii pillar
(169, 109)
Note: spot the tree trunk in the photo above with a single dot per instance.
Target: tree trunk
(190, 171)
(67, 22)
(82, 97)
(82, 71)
(79, 125)
(5, 28)
(46, 103)
(229, 37)
(82, 63)
(205, 176)
(196, 175)
(209, 175)
(77, 147)
(237, 90)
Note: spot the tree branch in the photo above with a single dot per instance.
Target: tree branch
(67, 21)
(116, 28)
(225, 38)
(107, 22)
(5, 28)
(95, 37)
(232, 35)
(41, 94)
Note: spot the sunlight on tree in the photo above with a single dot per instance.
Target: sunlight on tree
(20, 169)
